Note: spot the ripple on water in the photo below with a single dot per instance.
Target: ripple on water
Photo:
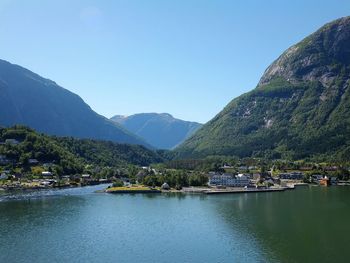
(45, 193)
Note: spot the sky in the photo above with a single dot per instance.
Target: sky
(188, 58)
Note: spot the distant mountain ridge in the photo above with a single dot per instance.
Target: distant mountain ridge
(161, 130)
(299, 109)
(29, 99)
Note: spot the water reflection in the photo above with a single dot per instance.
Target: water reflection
(295, 226)
(45, 193)
(305, 225)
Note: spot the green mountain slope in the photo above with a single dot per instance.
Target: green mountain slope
(300, 108)
(69, 154)
(161, 130)
(28, 99)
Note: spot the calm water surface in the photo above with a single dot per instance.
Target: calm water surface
(77, 225)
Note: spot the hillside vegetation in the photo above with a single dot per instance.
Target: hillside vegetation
(20, 146)
(299, 109)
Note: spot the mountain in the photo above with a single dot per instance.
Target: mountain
(299, 109)
(163, 131)
(28, 99)
(69, 154)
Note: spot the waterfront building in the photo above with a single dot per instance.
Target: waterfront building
(227, 179)
(324, 181)
(333, 180)
(317, 177)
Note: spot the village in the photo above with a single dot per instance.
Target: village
(210, 175)
(224, 178)
(231, 182)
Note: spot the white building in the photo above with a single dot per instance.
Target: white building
(228, 180)
(46, 173)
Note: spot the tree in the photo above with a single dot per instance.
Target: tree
(118, 183)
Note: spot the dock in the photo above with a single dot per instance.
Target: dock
(238, 191)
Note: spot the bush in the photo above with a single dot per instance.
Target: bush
(118, 183)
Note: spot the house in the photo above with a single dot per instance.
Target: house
(18, 175)
(33, 161)
(46, 173)
(269, 182)
(331, 168)
(324, 181)
(141, 174)
(45, 183)
(3, 160)
(165, 186)
(3, 176)
(227, 166)
(256, 176)
(66, 178)
(11, 141)
(334, 180)
(47, 165)
(86, 176)
(249, 176)
(227, 179)
(317, 177)
(291, 176)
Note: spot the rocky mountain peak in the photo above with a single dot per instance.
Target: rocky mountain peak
(320, 56)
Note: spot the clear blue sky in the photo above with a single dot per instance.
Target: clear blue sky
(188, 58)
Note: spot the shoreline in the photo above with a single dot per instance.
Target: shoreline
(43, 188)
(198, 190)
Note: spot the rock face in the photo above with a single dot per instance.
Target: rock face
(299, 109)
(161, 130)
(314, 58)
(28, 99)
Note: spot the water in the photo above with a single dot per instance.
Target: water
(77, 225)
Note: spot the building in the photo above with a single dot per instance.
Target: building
(269, 182)
(243, 168)
(291, 176)
(227, 166)
(334, 180)
(3, 176)
(46, 173)
(256, 176)
(317, 177)
(12, 141)
(47, 165)
(3, 160)
(324, 181)
(165, 186)
(249, 176)
(33, 161)
(226, 179)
